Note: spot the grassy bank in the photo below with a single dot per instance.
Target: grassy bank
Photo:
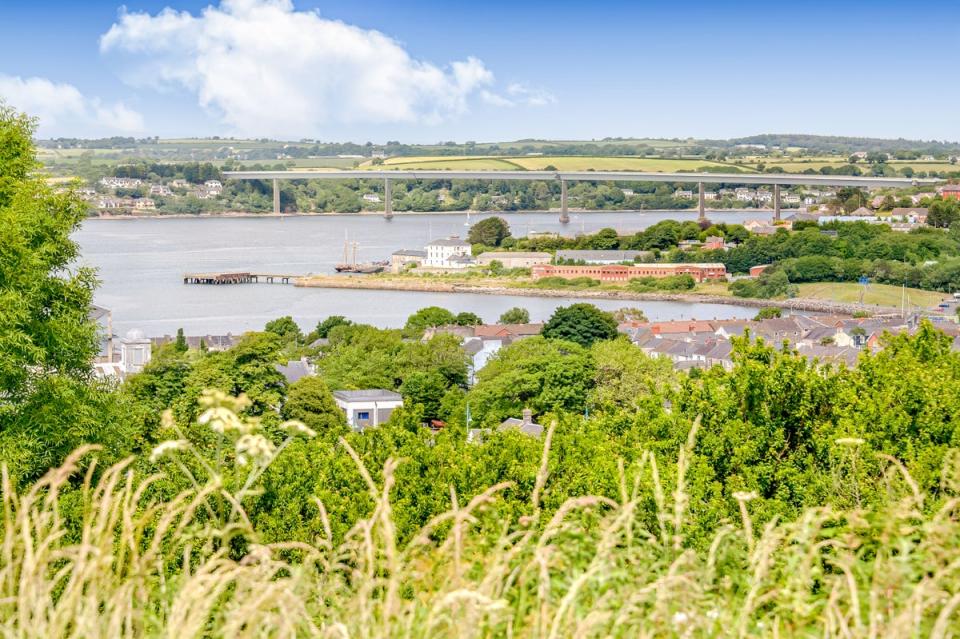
(874, 295)
(137, 563)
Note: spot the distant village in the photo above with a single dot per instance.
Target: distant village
(104, 197)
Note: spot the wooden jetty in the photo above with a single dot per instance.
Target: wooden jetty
(238, 277)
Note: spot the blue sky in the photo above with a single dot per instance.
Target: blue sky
(428, 71)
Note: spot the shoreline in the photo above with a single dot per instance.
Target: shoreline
(794, 304)
(249, 214)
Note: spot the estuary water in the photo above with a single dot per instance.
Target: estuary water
(140, 263)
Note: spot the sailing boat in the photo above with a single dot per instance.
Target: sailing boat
(350, 264)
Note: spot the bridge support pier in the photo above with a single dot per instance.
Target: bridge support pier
(776, 203)
(276, 196)
(564, 213)
(701, 203)
(387, 199)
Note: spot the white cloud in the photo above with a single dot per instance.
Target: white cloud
(63, 110)
(269, 69)
(519, 94)
(529, 95)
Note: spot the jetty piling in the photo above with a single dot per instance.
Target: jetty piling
(238, 277)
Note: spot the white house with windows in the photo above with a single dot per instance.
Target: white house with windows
(213, 186)
(367, 408)
(135, 352)
(447, 253)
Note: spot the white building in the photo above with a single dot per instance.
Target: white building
(367, 408)
(680, 194)
(442, 253)
(371, 197)
(135, 352)
(144, 203)
(744, 194)
(764, 196)
(160, 189)
(213, 186)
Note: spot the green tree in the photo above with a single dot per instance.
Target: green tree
(324, 327)
(466, 318)
(285, 328)
(48, 401)
(180, 345)
(310, 401)
(491, 231)
(581, 323)
(423, 392)
(540, 374)
(515, 315)
(427, 318)
(768, 312)
(943, 213)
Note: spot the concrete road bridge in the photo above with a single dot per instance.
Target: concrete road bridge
(776, 180)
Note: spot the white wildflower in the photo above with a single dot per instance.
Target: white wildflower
(296, 427)
(222, 420)
(713, 614)
(168, 446)
(255, 447)
(680, 618)
(743, 495)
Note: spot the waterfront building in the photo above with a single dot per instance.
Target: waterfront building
(602, 257)
(404, 257)
(514, 259)
(442, 253)
(624, 273)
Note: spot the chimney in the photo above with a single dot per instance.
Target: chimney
(527, 416)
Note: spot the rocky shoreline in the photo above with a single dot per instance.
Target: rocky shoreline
(795, 304)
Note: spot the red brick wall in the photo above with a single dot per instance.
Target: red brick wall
(624, 273)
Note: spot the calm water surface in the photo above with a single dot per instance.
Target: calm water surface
(141, 262)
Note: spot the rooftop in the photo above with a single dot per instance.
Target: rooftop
(367, 395)
(495, 254)
(448, 241)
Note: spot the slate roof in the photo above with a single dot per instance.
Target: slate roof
(367, 395)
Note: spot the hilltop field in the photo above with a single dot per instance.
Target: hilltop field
(768, 153)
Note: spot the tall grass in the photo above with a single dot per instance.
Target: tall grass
(134, 564)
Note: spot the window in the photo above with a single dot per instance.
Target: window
(363, 415)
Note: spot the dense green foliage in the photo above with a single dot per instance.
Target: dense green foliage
(581, 323)
(697, 503)
(49, 403)
(491, 231)
(772, 282)
(515, 315)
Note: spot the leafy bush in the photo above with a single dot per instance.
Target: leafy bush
(771, 283)
(683, 282)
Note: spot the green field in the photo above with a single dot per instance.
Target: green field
(541, 162)
(876, 294)
(446, 164)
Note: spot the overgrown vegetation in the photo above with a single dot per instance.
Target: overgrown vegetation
(779, 498)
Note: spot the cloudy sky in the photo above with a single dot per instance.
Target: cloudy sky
(426, 71)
